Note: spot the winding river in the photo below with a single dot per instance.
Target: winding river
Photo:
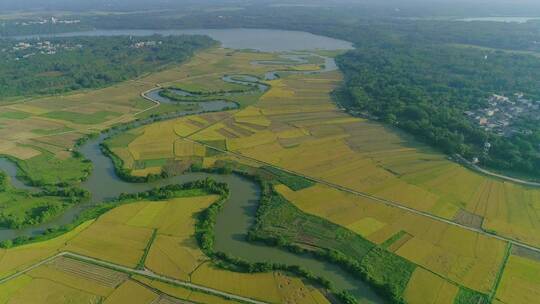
(234, 220)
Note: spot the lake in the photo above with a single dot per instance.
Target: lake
(500, 19)
(264, 40)
(239, 211)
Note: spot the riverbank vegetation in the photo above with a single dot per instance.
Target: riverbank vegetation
(41, 133)
(212, 88)
(426, 90)
(170, 94)
(296, 127)
(46, 169)
(21, 208)
(65, 64)
(212, 85)
(167, 216)
(479, 58)
(357, 154)
(279, 223)
(439, 67)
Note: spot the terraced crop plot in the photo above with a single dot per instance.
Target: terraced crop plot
(19, 258)
(294, 126)
(462, 256)
(371, 158)
(51, 125)
(426, 287)
(103, 276)
(117, 237)
(520, 281)
(296, 120)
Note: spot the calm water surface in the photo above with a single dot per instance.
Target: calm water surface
(258, 39)
(501, 19)
(238, 214)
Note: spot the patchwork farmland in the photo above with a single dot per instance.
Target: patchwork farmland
(295, 127)
(296, 119)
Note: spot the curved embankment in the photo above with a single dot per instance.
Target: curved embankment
(233, 222)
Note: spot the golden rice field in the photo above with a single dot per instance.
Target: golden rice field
(183, 293)
(462, 256)
(119, 236)
(53, 124)
(48, 291)
(19, 258)
(520, 282)
(116, 242)
(295, 126)
(79, 275)
(426, 287)
(296, 120)
(270, 287)
(132, 292)
(44, 286)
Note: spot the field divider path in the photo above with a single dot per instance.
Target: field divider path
(32, 267)
(500, 272)
(474, 167)
(375, 198)
(144, 272)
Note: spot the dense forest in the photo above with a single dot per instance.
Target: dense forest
(350, 23)
(420, 75)
(425, 89)
(59, 65)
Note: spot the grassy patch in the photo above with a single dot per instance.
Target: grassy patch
(50, 132)
(81, 118)
(204, 89)
(218, 144)
(167, 108)
(46, 169)
(294, 182)
(500, 273)
(142, 261)
(281, 221)
(388, 271)
(393, 239)
(211, 152)
(214, 147)
(15, 115)
(19, 209)
(468, 296)
(122, 140)
(154, 162)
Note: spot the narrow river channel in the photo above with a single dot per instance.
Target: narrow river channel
(232, 223)
(239, 211)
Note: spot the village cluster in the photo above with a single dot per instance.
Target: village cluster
(143, 44)
(502, 113)
(22, 50)
(52, 20)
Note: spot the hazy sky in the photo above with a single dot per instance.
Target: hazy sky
(439, 7)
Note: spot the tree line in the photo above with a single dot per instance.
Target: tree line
(88, 62)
